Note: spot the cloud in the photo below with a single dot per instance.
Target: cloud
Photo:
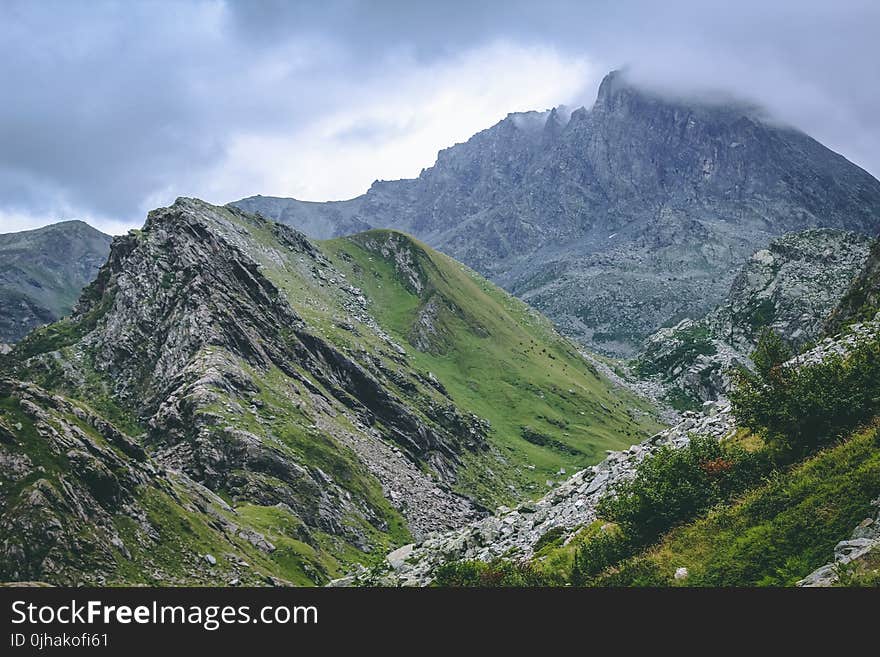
(113, 108)
(395, 129)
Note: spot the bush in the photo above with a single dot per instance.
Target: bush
(799, 409)
(553, 536)
(676, 485)
(599, 553)
(496, 573)
(776, 533)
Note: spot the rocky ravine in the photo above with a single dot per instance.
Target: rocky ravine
(515, 531)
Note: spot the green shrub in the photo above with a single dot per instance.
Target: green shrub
(675, 485)
(799, 409)
(552, 536)
(776, 533)
(496, 573)
(599, 553)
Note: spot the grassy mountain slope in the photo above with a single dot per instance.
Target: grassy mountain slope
(82, 503)
(295, 421)
(776, 534)
(496, 357)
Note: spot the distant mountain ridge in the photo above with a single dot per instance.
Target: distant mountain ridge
(617, 220)
(42, 272)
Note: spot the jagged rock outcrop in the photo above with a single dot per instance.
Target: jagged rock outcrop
(790, 288)
(42, 272)
(617, 220)
(840, 344)
(190, 320)
(862, 300)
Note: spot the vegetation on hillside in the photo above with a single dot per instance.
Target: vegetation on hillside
(550, 412)
(760, 511)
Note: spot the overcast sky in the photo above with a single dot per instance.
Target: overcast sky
(110, 109)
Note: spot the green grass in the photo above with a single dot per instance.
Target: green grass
(777, 533)
(499, 359)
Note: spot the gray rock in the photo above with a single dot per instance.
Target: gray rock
(790, 287)
(398, 557)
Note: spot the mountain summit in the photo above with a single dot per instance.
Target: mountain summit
(624, 218)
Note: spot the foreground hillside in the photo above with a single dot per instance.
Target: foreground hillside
(779, 488)
(230, 402)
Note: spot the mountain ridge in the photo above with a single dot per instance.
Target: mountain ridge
(317, 402)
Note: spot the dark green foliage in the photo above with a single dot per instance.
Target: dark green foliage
(675, 485)
(775, 534)
(552, 536)
(599, 553)
(762, 315)
(497, 573)
(681, 400)
(770, 352)
(799, 409)
(543, 440)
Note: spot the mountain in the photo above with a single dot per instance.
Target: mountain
(231, 402)
(790, 288)
(618, 220)
(43, 271)
(318, 220)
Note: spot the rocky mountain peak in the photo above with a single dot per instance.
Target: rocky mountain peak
(633, 214)
(612, 85)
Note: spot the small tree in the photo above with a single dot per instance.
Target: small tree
(772, 351)
(801, 408)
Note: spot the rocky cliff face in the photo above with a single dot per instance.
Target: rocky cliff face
(862, 299)
(619, 219)
(42, 273)
(251, 387)
(790, 288)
